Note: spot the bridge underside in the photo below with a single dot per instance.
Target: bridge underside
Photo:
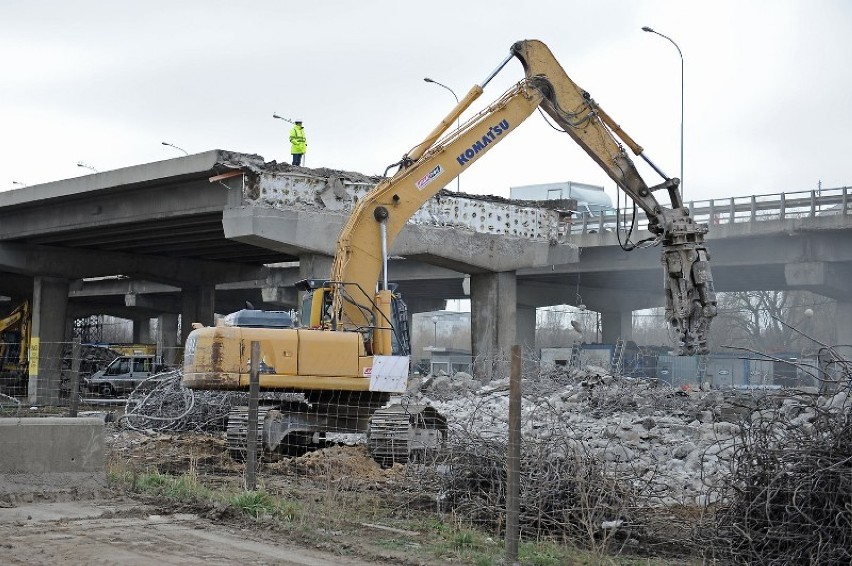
(208, 232)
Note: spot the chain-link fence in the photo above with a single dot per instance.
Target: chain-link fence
(609, 463)
(59, 378)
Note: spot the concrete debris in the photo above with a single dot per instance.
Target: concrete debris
(678, 441)
(280, 185)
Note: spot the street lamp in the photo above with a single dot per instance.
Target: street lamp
(649, 30)
(176, 147)
(81, 164)
(435, 340)
(458, 120)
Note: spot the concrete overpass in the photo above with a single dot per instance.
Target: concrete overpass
(183, 234)
(162, 239)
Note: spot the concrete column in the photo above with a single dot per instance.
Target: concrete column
(167, 337)
(493, 300)
(843, 331)
(50, 304)
(142, 330)
(197, 305)
(615, 325)
(313, 266)
(525, 331)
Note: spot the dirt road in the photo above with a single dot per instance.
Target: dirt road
(127, 533)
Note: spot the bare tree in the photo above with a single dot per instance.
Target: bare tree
(650, 327)
(772, 321)
(554, 329)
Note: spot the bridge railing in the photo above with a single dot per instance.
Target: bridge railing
(733, 210)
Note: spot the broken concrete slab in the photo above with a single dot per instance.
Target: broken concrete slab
(308, 231)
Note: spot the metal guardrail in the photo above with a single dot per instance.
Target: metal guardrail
(733, 210)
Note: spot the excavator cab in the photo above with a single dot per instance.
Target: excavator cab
(315, 303)
(317, 312)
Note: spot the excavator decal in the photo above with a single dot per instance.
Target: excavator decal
(429, 177)
(492, 134)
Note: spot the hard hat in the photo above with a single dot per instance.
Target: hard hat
(298, 121)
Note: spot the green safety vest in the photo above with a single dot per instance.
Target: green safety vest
(298, 141)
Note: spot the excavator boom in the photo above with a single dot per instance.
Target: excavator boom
(340, 380)
(380, 216)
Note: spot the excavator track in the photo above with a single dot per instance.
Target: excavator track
(237, 431)
(399, 433)
(387, 439)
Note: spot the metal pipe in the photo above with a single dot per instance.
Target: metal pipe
(497, 70)
(384, 231)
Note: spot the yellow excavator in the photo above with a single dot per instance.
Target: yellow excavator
(337, 370)
(14, 350)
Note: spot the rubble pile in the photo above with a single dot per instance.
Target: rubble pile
(768, 472)
(788, 496)
(668, 444)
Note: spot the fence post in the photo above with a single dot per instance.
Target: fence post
(251, 433)
(74, 386)
(513, 459)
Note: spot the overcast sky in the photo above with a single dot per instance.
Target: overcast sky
(768, 86)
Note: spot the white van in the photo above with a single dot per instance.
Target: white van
(123, 374)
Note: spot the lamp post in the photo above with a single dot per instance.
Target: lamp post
(458, 120)
(434, 346)
(435, 339)
(83, 165)
(176, 147)
(679, 52)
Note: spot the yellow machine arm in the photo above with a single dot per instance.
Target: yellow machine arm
(19, 319)
(379, 217)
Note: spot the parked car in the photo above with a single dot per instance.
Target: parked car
(123, 374)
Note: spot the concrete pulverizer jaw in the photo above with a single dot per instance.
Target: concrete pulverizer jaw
(690, 297)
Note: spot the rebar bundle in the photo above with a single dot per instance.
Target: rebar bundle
(162, 403)
(565, 493)
(788, 499)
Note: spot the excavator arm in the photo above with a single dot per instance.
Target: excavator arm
(379, 217)
(688, 283)
(18, 320)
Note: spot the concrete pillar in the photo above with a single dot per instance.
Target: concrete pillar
(50, 304)
(167, 338)
(843, 331)
(142, 330)
(197, 305)
(615, 325)
(313, 266)
(493, 300)
(525, 328)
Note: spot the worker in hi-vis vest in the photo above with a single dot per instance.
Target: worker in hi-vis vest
(298, 143)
